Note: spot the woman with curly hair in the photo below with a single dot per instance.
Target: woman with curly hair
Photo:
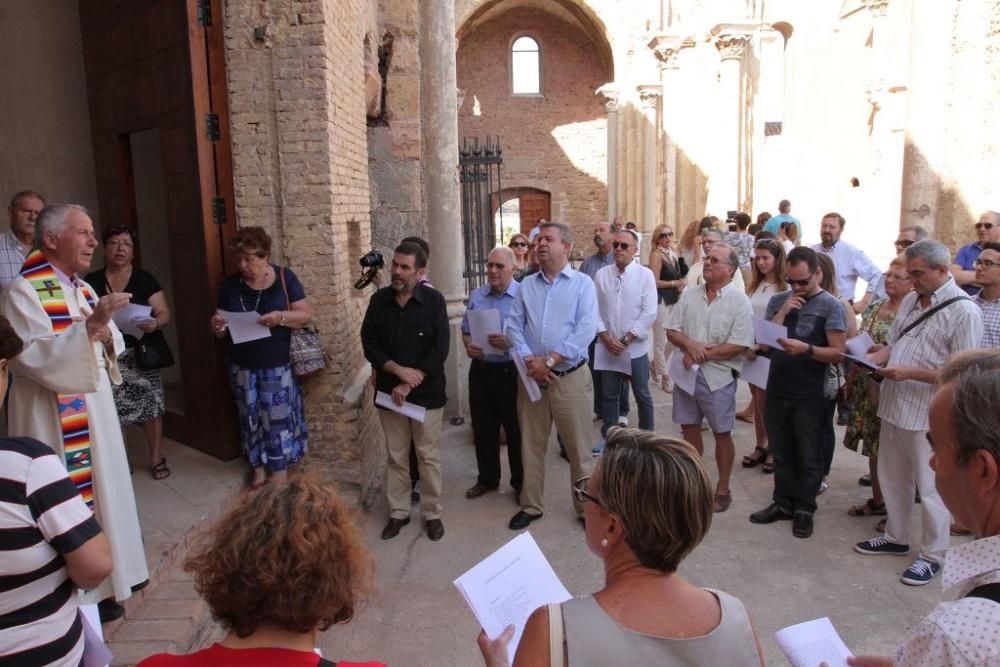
(286, 563)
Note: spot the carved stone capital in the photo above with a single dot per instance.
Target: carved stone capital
(611, 93)
(649, 95)
(731, 46)
(667, 47)
(878, 8)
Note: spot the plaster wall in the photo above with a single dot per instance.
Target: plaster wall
(46, 144)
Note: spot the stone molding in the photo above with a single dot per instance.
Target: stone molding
(611, 93)
(878, 8)
(732, 46)
(649, 95)
(666, 48)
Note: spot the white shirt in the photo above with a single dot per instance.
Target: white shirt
(696, 277)
(952, 329)
(626, 302)
(851, 263)
(727, 319)
(965, 631)
(760, 298)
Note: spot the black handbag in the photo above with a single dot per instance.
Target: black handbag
(152, 352)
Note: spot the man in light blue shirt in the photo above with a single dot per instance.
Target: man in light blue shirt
(493, 379)
(851, 262)
(553, 320)
(784, 215)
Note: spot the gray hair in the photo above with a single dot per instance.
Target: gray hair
(52, 220)
(719, 236)
(919, 232)
(935, 253)
(975, 375)
(565, 234)
(630, 232)
(734, 259)
(994, 215)
(507, 253)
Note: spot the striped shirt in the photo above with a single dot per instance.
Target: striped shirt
(952, 329)
(42, 517)
(12, 256)
(991, 321)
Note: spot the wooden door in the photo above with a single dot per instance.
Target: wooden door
(533, 207)
(158, 64)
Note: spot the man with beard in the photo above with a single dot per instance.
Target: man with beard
(405, 337)
(851, 262)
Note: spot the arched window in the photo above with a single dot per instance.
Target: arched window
(525, 65)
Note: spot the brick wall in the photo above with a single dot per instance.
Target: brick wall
(300, 161)
(555, 142)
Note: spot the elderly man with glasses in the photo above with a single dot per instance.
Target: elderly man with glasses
(709, 239)
(962, 269)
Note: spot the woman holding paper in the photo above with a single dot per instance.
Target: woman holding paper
(648, 504)
(864, 424)
(139, 398)
(268, 396)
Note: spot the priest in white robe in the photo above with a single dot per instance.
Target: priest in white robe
(76, 356)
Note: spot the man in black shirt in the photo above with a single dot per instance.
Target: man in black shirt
(817, 332)
(405, 337)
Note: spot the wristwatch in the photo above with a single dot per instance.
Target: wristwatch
(549, 362)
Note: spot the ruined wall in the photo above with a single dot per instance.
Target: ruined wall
(297, 103)
(555, 141)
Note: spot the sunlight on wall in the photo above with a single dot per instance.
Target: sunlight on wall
(587, 156)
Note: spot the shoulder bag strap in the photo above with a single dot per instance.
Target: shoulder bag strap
(284, 288)
(556, 636)
(986, 591)
(932, 311)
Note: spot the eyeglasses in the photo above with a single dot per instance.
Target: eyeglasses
(984, 225)
(618, 244)
(984, 263)
(800, 283)
(667, 234)
(518, 244)
(904, 243)
(580, 493)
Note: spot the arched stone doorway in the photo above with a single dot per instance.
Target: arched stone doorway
(518, 210)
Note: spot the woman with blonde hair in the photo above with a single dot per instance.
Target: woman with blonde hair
(648, 505)
(519, 243)
(689, 246)
(669, 270)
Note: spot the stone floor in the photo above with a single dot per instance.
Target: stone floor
(416, 616)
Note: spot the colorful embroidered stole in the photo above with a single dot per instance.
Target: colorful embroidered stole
(72, 407)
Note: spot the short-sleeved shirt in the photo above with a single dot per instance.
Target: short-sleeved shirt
(218, 655)
(773, 224)
(236, 296)
(742, 243)
(43, 518)
(991, 321)
(965, 256)
(141, 285)
(12, 256)
(727, 319)
(800, 376)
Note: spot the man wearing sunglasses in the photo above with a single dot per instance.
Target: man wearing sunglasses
(908, 235)
(987, 267)
(794, 419)
(962, 268)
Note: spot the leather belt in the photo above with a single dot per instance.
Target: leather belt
(569, 370)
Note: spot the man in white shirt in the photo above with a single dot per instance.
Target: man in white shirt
(934, 322)
(965, 444)
(626, 305)
(851, 262)
(712, 326)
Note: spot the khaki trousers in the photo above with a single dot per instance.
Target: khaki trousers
(568, 403)
(399, 431)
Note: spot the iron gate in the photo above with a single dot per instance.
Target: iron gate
(480, 179)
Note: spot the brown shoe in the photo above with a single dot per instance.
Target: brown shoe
(958, 531)
(722, 502)
(478, 490)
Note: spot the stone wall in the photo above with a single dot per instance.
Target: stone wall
(300, 159)
(555, 141)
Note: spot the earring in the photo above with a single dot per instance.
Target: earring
(604, 543)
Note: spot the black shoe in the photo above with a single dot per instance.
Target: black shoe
(770, 514)
(479, 490)
(583, 520)
(109, 610)
(139, 586)
(865, 480)
(391, 529)
(435, 529)
(802, 525)
(521, 520)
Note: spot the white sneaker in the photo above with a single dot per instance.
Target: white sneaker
(823, 486)
(623, 421)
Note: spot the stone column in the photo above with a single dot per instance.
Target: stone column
(610, 92)
(666, 48)
(726, 191)
(440, 179)
(649, 96)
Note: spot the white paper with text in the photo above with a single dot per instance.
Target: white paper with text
(482, 323)
(685, 378)
(604, 360)
(768, 333)
(244, 327)
(810, 643)
(755, 372)
(530, 386)
(508, 585)
(407, 409)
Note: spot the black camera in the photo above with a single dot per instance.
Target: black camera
(370, 263)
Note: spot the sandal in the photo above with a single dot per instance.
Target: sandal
(869, 508)
(745, 417)
(880, 526)
(759, 455)
(768, 466)
(160, 470)
(722, 502)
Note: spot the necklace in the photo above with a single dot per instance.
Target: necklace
(259, 292)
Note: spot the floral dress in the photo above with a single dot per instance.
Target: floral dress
(864, 424)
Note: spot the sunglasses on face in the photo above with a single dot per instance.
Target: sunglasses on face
(984, 263)
(800, 283)
(518, 244)
(904, 243)
(580, 493)
(618, 244)
(984, 225)
(667, 234)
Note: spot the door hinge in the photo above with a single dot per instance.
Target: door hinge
(205, 13)
(218, 210)
(212, 126)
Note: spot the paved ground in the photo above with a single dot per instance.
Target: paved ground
(417, 617)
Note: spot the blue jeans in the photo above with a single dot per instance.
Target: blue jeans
(613, 383)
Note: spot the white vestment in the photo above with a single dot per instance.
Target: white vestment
(71, 363)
